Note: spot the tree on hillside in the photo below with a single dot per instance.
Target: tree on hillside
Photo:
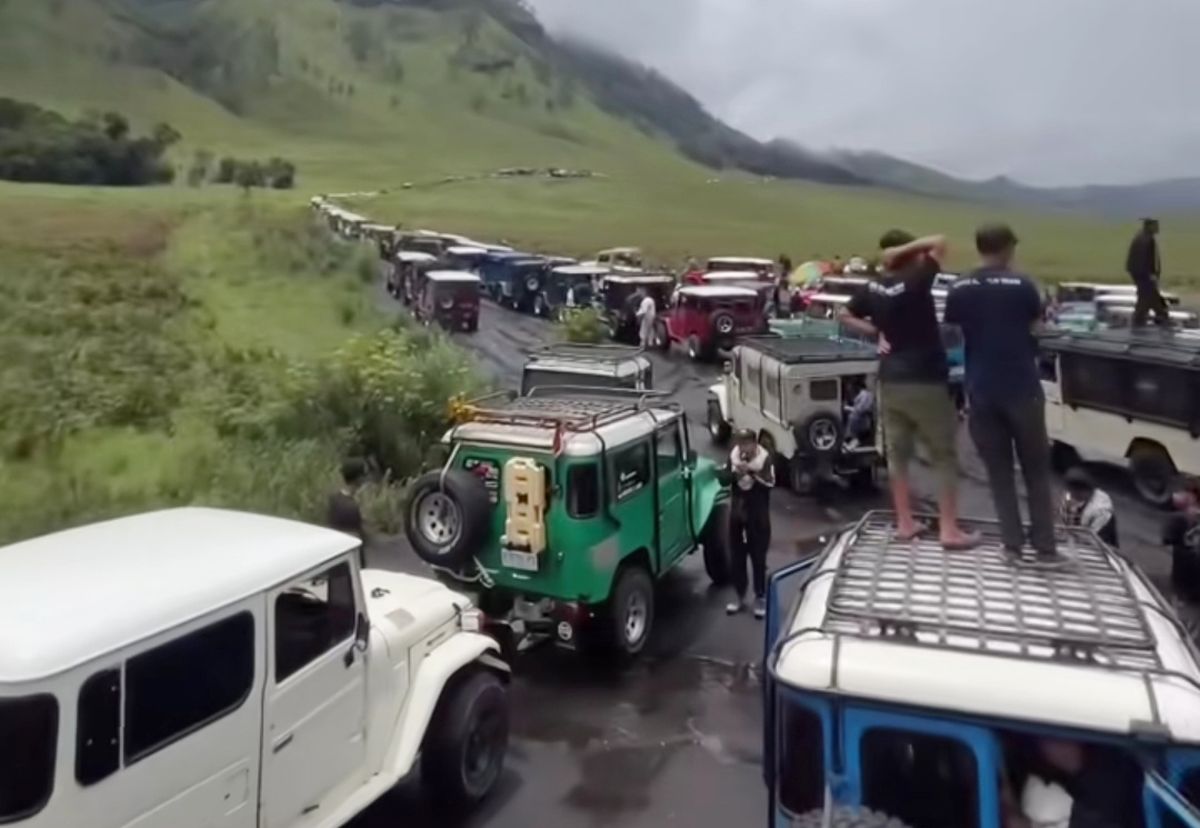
(115, 125)
(165, 135)
(226, 170)
(197, 172)
(360, 40)
(249, 174)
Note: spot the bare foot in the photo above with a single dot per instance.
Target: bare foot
(956, 540)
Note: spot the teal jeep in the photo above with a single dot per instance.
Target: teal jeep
(564, 508)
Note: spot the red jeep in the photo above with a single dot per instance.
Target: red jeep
(449, 298)
(709, 318)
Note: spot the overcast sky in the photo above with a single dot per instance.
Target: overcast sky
(1048, 91)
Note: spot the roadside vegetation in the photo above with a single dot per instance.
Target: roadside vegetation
(129, 383)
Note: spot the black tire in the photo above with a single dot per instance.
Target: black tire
(820, 435)
(663, 336)
(1063, 457)
(694, 349)
(473, 326)
(633, 593)
(540, 308)
(867, 479)
(464, 749)
(715, 538)
(447, 517)
(533, 284)
(1153, 473)
(723, 325)
(718, 427)
(845, 816)
(800, 477)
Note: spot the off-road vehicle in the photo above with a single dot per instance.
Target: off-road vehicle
(563, 509)
(196, 667)
(595, 366)
(910, 686)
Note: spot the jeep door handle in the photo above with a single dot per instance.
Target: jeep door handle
(282, 743)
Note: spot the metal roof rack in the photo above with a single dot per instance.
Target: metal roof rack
(570, 408)
(1081, 610)
(799, 349)
(582, 352)
(1164, 347)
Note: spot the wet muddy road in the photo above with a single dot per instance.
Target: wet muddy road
(675, 738)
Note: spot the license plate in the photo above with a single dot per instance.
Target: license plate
(526, 561)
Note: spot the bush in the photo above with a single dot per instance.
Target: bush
(585, 325)
(39, 145)
(276, 173)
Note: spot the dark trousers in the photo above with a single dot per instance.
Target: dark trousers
(1150, 299)
(750, 535)
(1000, 431)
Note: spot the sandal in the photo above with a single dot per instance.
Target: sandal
(919, 529)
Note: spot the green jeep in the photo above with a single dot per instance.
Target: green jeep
(564, 508)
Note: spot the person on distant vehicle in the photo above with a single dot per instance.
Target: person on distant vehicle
(343, 513)
(783, 298)
(1144, 266)
(1182, 534)
(915, 401)
(753, 470)
(997, 310)
(837, 266)
(693, 273)
(647, 313)
(1088, 507)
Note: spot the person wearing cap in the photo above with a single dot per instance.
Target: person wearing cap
(998, 310)
(1144, 266)
(1182, 533)
(1086, 506)
(915, 404)
(750, 520)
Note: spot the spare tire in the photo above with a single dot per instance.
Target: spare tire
(448, 514)
(820, 435)
(846, 816)
(715, 538)
(724, 324)
(533, 284)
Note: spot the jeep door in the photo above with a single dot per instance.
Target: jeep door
(670, 473)
(314, 740)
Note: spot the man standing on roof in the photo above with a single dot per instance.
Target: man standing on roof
(1144, 267)
(914, 396)
(647, 313)
(998, 311)
(753, 470)
(783, 298)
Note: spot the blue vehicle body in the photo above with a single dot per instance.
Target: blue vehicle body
(512, 279)
(814, 745)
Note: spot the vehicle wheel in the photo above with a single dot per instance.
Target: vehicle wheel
(663, 336)
(715, 538)
(844, 816)
(867, 478)
(539, 306)
(694, 349)
(447, 516)
(724, 325)
(821, 434)
(800, 478)
(1063, 457)
(630, 612)
(464, 748)
(718, 427)
(473, 326)
(614, 330)
(1153, 473)
(532, 284)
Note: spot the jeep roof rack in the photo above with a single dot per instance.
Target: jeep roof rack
(566, 407)
(1081, 610)
(1169, 348)
(800, 349)
(583, 352)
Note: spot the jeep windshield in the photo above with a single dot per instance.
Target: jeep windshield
(558, 378)
(29, 731)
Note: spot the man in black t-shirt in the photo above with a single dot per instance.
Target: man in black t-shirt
(997, 310)
(914, 400)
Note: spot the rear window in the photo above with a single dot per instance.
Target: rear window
(558, 379)
(29, 723)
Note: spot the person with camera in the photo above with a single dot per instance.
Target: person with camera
(753, 471)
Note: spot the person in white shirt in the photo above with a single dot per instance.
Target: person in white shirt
(857, 419)
(750, 522)
(1086, 506)
(647, 313)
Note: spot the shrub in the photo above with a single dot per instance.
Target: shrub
(585, 325)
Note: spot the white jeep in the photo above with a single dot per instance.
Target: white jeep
(196, 667)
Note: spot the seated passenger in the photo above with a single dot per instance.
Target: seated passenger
(860, 414)
(1086, 506)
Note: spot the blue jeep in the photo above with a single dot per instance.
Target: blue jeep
(909, 686)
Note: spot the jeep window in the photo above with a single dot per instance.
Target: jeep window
(1048, 367)
(583, 491)
(98, 727)
(669, 449)
(180, 686)
(631, 470)
(311, 618)
(29, 733)
(823, 390)
(1093, 382)
(924, 781)
(1163, 394)
(801, 760)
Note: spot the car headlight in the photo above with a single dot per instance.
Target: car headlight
(471, 620)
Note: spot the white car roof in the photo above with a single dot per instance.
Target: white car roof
(1084, 644)
(732, 276)
(448, 276)
(414, 256)
(75, 595)
(1103, 287)
(718, 292)
(746, 260)
(638, 278)
(466, 250)
(582, 270)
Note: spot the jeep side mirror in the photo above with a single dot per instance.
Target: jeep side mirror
(362, 632)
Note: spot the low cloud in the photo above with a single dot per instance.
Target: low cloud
(1048, 91)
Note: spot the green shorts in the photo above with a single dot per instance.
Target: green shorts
(920, 412)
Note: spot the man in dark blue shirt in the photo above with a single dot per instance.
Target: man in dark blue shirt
(997, 310)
